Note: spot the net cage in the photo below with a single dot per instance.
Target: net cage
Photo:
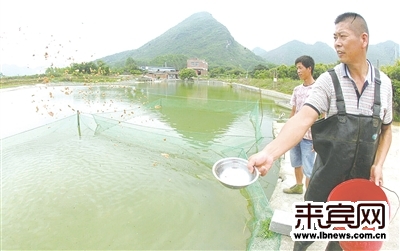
(153, 128)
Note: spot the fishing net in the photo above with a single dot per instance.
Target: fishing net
(189, 140)
(177, 129)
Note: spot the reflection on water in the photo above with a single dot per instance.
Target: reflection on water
(138, 177)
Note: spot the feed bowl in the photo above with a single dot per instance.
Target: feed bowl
(233, 173)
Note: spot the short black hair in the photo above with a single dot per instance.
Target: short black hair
(355, 17)
(307, 61)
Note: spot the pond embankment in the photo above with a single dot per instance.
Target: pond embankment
(280, 99)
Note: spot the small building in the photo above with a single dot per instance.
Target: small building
(199, 65)
(157, 69)
(155, 72)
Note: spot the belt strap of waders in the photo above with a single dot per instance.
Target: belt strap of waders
(339, 96)
(377, 99)
(340, 99)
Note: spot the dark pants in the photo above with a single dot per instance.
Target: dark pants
(303, 245)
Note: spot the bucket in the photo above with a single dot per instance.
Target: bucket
(358, 190)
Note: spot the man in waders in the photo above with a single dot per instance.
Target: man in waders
(355, 136)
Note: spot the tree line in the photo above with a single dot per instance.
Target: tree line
(285, 72)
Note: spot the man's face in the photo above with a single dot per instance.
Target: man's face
(348, 44)
(302, 71)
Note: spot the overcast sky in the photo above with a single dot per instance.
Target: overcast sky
(59, 32)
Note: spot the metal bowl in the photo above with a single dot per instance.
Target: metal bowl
(233, 173)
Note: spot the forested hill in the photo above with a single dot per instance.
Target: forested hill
(199, 36)
(202, 36)
(385, 53)
(287, 53)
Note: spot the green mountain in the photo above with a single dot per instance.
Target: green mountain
(287, 53)
(385, 53)
(202, 36)
(199, 36)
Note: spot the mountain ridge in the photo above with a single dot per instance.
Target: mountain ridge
(202, 36)
(384, 53)
(198, 36)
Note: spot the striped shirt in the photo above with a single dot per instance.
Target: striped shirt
(323, 97)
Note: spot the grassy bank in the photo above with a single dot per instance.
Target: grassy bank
(284, 85)
(9, 82)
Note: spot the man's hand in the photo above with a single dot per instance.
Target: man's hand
(376, 175)
(262, 161)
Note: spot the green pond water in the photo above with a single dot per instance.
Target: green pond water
(133, 170)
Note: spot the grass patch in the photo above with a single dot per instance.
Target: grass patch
(264, 231)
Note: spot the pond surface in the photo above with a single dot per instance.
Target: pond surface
(132, 171)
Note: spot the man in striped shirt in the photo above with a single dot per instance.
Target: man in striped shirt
(352, 141)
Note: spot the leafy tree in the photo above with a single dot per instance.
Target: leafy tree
(187, 73)
(292, 72)
(90, 67)
(99, 68)
(216, 72)
(102, 68)
(260, 67)
(130, 63)
(396, 99)
(283, 71)
(262, 74)
(54, 71)
(131, 66)
(319, 69)
(86, 68)
(393, 73)
(236, 72)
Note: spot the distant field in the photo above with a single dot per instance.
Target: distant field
(9, 82)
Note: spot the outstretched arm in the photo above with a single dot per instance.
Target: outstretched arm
(290, 135)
